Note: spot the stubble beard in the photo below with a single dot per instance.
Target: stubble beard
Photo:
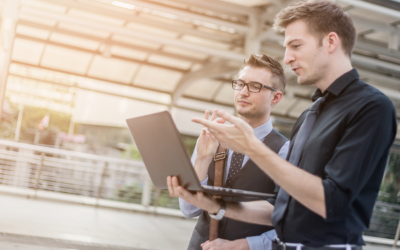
(253, 114)
(312, 77)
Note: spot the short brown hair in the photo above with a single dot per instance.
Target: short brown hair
(322, 17)
(269, 63)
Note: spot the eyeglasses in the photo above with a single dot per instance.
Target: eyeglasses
(254, 87)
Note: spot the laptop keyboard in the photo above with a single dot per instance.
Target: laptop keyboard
(229, 190)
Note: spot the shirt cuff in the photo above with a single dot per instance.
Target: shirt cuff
(255, 243)
(263, 241)
(205, 181)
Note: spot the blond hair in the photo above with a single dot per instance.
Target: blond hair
(269, 63)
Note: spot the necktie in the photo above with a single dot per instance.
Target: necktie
(282, 199)
(236, 165)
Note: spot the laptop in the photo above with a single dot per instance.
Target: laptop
(164, 154)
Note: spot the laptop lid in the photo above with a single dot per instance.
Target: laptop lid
(162, 150)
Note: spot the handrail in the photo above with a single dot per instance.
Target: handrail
(57, 151)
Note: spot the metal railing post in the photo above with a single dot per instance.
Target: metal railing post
(39, 173)
(103, 176)
(146, 193)
(396, 238)
(156, 199)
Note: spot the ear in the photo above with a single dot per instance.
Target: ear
(333, 41)
(277, 97)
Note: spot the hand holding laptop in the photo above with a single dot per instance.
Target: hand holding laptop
(199, 199)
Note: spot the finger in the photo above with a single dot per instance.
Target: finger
(220, 120)
(179, 190)
(205, 243)
(206, 114)
(169, 184)
(209, 124)
(184, 194)
(230, 118)
(214, 115)
(175, 182)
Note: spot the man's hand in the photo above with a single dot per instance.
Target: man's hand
(198, 199)
(207, 144)
(206, 147)
(220, 244)
(238, 136)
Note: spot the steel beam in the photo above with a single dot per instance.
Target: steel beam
(372, 7)
(126, 96)
(208, 71)
(89, 77)
(99, 8)
(364, 45)
(190, 15)
(184, 14)
(134, 34)
(223, 7)
(377, 26)
(393, 44)
(374, 63)
(107, 41)
(62, 45)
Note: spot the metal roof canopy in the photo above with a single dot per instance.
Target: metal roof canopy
(174, 53)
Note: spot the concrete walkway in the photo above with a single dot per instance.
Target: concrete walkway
(63, 224)
(99, 228)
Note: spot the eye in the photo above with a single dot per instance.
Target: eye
(295, 46)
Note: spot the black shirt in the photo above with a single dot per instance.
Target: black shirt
(348, 148)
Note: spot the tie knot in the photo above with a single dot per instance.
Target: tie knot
(317, 104)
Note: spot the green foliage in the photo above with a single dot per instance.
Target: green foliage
(190, 143)
(161, 198)
(132, 193)
(59, 122)
(132, 152)
(390, 188)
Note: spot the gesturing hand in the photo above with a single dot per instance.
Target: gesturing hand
(207, 144)
(236, 136)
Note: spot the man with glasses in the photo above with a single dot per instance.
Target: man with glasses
(258, 89)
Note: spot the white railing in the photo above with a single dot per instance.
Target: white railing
(57, 170)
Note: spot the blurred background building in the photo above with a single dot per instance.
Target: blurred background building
(72, 72)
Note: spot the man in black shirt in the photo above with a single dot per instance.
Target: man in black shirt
(332, 189)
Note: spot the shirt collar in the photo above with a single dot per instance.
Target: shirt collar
(339, 84)
(261, 131)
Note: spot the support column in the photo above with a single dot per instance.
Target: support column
(252, 41)
(7, 34)
(19, 122)
(394, 42)
(146, 193)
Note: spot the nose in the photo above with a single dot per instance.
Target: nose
(289, 57)
(244, 91)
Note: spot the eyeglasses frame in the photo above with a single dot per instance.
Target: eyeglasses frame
(247, 85)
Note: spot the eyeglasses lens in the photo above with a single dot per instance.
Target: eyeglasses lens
(253, 87)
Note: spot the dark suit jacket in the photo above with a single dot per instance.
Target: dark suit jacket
(250, 178)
